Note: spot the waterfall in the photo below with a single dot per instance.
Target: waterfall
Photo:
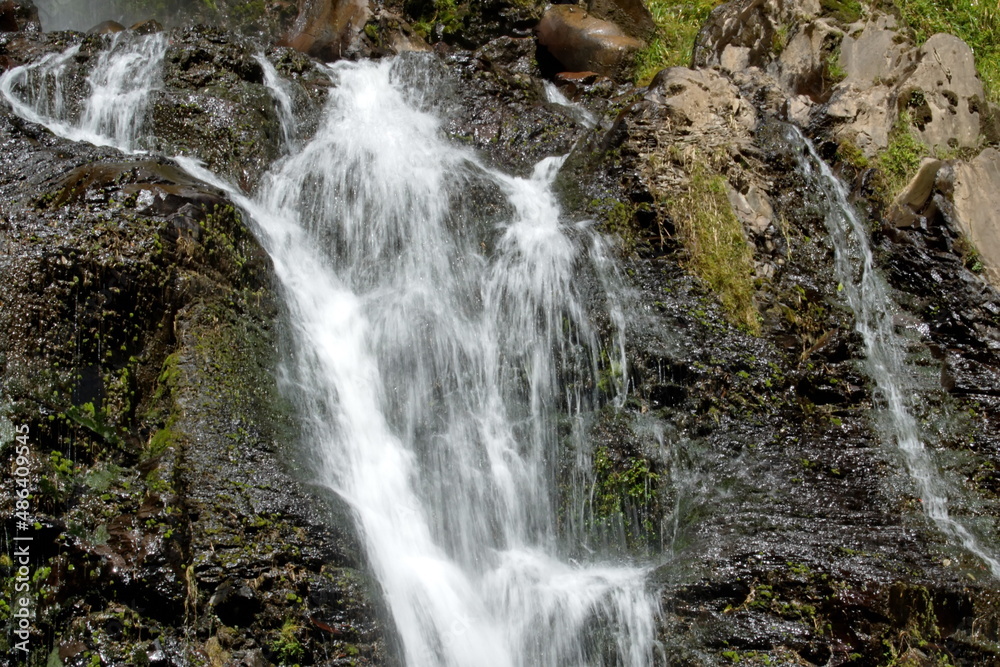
(869, 298)
(119, 87)
(434, 352)
(281, 91)
(438, 336)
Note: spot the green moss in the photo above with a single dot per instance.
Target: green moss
(624, 488)
(429, 13)
(677, 26)
(977, 23)
(618, 219)
(835, 73)
(715, 242)
(286, 646)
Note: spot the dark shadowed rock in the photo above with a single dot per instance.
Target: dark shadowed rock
(17, 15)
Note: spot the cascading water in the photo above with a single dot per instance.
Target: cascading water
(119, 84)
(869, 298)
(438, 339)
(431, 364)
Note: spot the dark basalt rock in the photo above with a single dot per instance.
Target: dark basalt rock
(18, 15)
(138, 349)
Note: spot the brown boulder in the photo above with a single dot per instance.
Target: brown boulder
(582, 43)
(106, 28)
(631, 15)
(328, 29)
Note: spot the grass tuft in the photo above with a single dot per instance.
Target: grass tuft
(976, 22)
(716, 244)
(677, 26)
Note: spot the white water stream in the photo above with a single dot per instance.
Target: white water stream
(435, 349)
(114, 105)
(869, 298)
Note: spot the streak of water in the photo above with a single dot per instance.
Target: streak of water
(120, 84)
(869, 298)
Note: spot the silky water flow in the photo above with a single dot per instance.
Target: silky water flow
(438, 337)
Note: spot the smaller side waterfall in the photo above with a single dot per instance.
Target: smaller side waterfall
(113, 112)
(869, 298)
(280, 90)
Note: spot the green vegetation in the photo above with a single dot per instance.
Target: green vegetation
(624, 489)
(287, 646)
(448, 13)
(717, 248)
(898, 163)
(677, 23)
(847, 11)
(619, 219)
(976, 23)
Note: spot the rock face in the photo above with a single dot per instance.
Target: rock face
(582, 43)
(139, 350)
(140, 341)
(944, 95)
(976, 184)
(17, 15)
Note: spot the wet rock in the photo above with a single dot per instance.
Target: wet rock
(583, 43)
(147, 27)
(161, 463)
(106, 28)
(17, 15)
(328, 29)
(213, 104)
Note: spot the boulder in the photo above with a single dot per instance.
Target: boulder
(864, 114)
(106, 28)
(583, 43)
(147, 27)
(944, 95)
(908, 204)
(701, 102)
(17, 15)
(802, 66)
(328, 29)
(975, 210)
(753, 207)
(878, 54)
(753, 25)
(631, 15)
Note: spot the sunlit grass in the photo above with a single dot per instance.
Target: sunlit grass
(976, 22)
(677, 23)
(716, 244)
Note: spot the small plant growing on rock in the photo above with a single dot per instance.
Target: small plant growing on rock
(716, 244)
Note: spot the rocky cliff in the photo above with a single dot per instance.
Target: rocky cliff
(172, 519)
